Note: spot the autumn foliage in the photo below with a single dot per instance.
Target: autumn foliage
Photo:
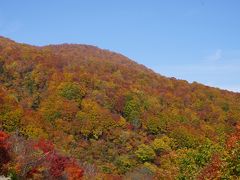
(76, 111)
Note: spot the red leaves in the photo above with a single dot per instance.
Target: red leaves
(130, 127)
(44, 145)
(57, 164)
(4, 145)
(74, 172)
(234, 138)
(3, 138)
(119, 105)
(31, 173)
(212, 170)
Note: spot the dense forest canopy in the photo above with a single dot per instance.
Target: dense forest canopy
(77, 111)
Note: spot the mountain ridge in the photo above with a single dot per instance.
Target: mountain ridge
(96, 48)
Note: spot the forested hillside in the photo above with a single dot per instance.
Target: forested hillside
(80, 112)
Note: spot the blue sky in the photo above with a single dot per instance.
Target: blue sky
(195, 40)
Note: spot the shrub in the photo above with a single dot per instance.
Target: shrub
(71, 91)
(184, 138)
(156, 125)
(124, 163)
(145, 153)
(11, 120)
(162, 144)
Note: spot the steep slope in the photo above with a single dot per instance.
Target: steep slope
(116, 117)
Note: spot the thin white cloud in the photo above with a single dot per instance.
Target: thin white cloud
(217, 55)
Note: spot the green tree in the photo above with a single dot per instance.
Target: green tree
(131, 110)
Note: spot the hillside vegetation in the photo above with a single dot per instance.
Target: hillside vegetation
(80, 112)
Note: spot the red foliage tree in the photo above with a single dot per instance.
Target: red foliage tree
(4, 145)
(234, 137)
(212, 170)
(55, 163)
(44, 145)
(74, 172)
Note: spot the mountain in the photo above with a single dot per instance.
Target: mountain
(76, 111)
